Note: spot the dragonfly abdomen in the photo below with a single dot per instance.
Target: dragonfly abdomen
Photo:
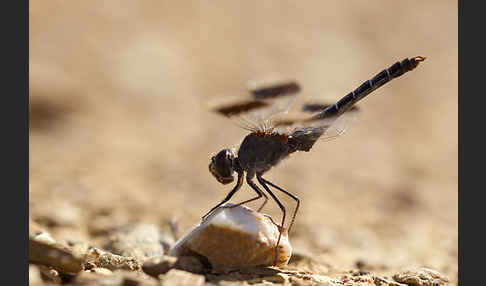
(394, 71)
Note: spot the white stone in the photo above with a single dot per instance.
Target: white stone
(236, 237)
(44, 237)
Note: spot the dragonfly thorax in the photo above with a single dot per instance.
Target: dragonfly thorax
(260, 151)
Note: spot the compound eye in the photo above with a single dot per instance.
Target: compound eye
(221, 166)
(225, 157)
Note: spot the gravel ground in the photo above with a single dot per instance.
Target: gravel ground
(120, 138)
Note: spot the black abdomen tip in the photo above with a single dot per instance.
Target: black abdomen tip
(414, 62)
(419, 58)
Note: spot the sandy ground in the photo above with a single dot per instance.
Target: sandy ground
(120, 132)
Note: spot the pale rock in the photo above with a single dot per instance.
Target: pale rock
(155, 266)
(421, 277)
(44, 237)
(105, 259)
(55, 255)
(177, 277)
(234, 238)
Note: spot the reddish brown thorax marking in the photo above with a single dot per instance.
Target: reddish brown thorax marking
(267, 134)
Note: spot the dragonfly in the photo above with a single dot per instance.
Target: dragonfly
(274, 137)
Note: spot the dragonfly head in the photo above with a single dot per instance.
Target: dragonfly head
(221, 166)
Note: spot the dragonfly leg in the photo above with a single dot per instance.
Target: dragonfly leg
(270, 218)
(258, 191)
(230, 194)
(288, 194)
(281, 206)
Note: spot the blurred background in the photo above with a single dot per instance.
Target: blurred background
(120, 132)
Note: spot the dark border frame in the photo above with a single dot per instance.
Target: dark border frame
(470, 48)
(15, 159)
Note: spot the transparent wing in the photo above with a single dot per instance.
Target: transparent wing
(304, 133)
(335, 127)
(326, 129)
(256, 110)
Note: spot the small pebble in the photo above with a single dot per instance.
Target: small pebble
(54, 255)
(44, 237)
(159, 265)
(112, 261)
(177, 277)
(233, 238)
(421, 277)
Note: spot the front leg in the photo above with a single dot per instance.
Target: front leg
(259, 192)
(230, 194)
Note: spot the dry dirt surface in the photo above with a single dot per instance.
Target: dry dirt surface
(121, 137)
